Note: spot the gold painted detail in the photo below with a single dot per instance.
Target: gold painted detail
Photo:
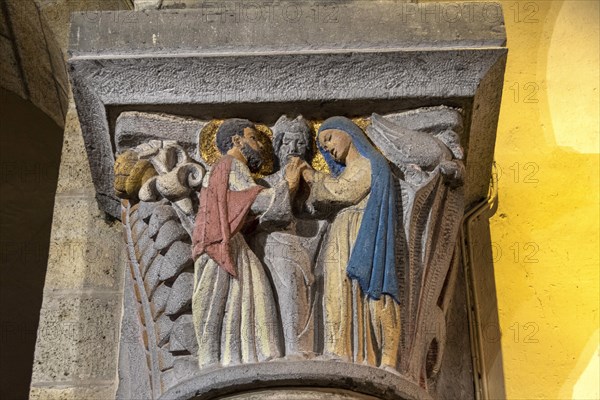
(130, 174)
(209, 152)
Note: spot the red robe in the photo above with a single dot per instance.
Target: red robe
(221, 215)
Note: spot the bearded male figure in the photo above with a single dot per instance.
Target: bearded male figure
(290, 254)
(233, 305)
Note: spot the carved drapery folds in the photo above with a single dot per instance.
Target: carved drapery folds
(292, 235)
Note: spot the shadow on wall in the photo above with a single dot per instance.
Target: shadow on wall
(30, 148)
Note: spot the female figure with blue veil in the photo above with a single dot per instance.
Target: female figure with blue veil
(361, 311)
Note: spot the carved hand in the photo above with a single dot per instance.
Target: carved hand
(292, 173)
(308, 174)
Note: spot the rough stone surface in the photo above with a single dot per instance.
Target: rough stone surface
(77, 339)
(452, 382)
(76, 217)
(151, 279)
(170, 232)
(285, 65)
(181, 294)
(80, 260)
(4, 29)
(74, 174)
(72, 393)
(39, 73)
(183, 332)
(390, 25)
(57, 13)
(159, 299)
(178, 257)
(9, 68)
(134, 374)
(147, 4)
(134, 128)
(159, 217)
(313, 374)
(299, 394)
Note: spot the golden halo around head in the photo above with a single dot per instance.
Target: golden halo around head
(318, 162)
(210, 153)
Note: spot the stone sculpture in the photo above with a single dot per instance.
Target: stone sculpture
(151, 97)
(358, 258)
(342, 260)
(289, 252)
(233, 304)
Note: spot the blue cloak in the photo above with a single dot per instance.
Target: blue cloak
(373, 259)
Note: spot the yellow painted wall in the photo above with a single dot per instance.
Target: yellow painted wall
(545, 232)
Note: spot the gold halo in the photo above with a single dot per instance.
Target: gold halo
(318, 162)
(209, 152)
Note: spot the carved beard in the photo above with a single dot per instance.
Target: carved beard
(253, 158)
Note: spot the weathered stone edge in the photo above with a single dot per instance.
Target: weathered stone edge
(312, 373)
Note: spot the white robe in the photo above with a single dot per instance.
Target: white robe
(236, 319)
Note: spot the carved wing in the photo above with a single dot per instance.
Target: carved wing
(424, 145)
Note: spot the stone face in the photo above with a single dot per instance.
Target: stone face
(390, 25)
(57, 13)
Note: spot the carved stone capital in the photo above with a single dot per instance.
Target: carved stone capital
(339, 268)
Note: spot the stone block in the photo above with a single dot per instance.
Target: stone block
(75, 217)
(77, 339)
(95, 262)
(74, 174)
(72, 393)
(78, 259)
(35, 59)
(134, 128)
(57, 13)
(282, 65)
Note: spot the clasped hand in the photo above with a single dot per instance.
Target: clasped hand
(294, 169)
